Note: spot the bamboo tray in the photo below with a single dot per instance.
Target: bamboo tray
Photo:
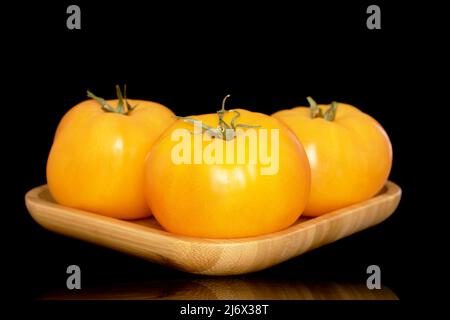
(146, 239)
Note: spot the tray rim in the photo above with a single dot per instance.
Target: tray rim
(32, 197)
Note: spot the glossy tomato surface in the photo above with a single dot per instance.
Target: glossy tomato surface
(350, 156)
(228, 198)
(96, 162)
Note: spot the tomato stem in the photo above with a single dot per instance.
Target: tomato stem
(120, 107)
(222, 124)
(224, 130)
(316, 112)
(123, 106)
(330, 114)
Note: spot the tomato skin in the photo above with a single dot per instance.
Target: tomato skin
(227, 200)
(96, 162)
(350, 157)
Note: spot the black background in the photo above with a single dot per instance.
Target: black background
(268, 56)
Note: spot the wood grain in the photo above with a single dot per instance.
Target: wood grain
(146, 239)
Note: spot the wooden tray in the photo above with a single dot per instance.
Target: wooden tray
(146, 239)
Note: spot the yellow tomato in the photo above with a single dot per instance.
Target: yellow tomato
(96, 162)
(222, 196)
(349, 153)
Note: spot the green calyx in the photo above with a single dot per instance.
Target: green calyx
(317, 112)
(123, 106)
(224, 130)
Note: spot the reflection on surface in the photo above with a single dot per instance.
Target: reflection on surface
(226, 289)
